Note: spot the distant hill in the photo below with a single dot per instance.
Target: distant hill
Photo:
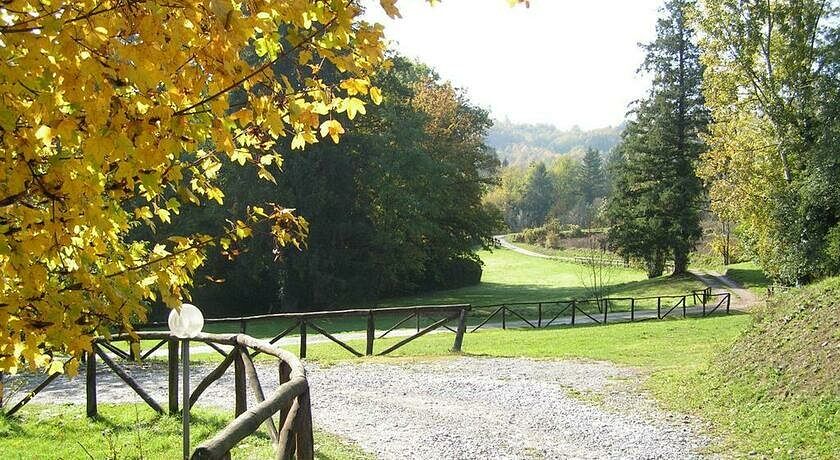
(520, 144)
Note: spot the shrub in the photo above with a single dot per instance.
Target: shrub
(459, 272)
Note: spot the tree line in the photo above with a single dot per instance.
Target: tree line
(520, 144)
(569, 190)
(741, 121)
(394, 208)
(742, 118)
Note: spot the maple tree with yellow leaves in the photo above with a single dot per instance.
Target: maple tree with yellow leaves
(114, 114)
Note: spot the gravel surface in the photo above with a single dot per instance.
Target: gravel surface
(461, 408)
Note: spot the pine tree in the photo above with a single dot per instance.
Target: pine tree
(592, 185)
(654, 206)
(538, 197)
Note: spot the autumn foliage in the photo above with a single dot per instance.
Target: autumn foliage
(114, 114)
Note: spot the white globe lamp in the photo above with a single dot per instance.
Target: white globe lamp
(187, 322)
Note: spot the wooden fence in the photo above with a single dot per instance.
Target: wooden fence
(545, 313)
(289, 403)
(309, 321)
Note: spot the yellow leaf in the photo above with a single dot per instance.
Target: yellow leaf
(376, 95)
(390, 8)
(44, 134)
(333, 129)
(299, 141)
(352, 106)
(263, 173)
(163, 214)
(241, 156)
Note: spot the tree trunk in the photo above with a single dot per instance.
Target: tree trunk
(655, 265)
(680, 261)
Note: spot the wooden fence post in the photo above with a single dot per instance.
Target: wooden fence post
(371, 331)
(172, 345)
(90, 383)
(539, 314)
(240, 392)
(504, 323)
(302, 352)
(659, 308)
(683, 302)
(417, 315)
(632, 309)
(459, 333)
(728, 299)
(606, 304)
(284, 374)
(133, 352)
(305, 443)
(574, 307)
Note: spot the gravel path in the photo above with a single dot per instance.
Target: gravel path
(462, 408)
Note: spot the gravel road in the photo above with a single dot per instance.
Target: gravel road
(462, 408)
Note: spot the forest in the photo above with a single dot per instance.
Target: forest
(394, 208)
(172, 171)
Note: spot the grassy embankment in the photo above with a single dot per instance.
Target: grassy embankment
(775, 391)
(132, 431)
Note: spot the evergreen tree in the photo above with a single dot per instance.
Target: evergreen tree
(538, 196)
(654, 206)
(592, 186)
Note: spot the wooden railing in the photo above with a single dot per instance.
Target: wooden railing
(291, 435)
(289, 403)
(305, 322)
(545, 313)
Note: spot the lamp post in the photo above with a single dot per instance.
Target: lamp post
(185, 324)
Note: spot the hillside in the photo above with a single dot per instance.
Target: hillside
(776, 390)
(520, 144)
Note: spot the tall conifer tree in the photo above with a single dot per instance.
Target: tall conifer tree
(655, 202)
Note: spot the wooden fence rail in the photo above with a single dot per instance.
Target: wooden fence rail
(575, 309)
(309, 321)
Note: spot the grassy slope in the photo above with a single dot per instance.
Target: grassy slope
(776, 391)
(129, 431)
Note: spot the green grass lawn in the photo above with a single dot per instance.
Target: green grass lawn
(750, 276)
(651, 344)
(507, 277)
(132, 431)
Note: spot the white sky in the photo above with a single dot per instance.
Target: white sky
(561, 62)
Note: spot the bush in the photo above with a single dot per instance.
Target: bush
(459, 273)
(554, 240)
